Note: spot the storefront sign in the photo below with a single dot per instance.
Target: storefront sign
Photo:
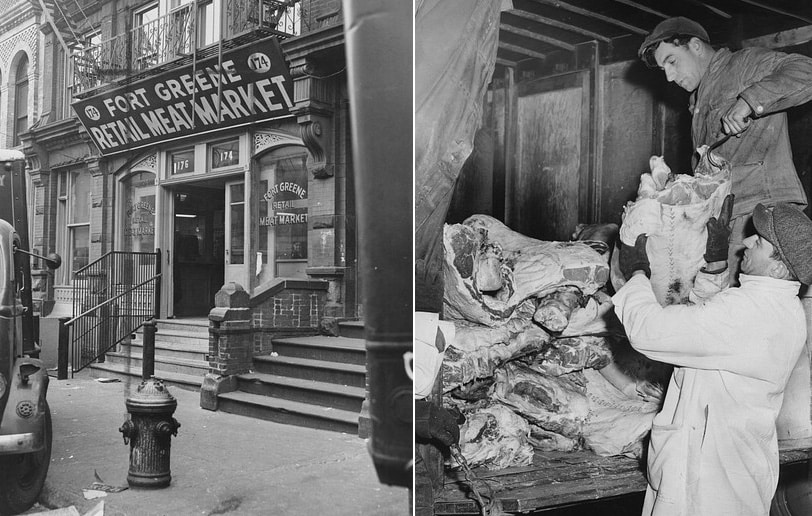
(140, 218)
(288, 203)
(254, 85)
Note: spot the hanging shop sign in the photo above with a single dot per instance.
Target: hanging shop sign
(250, 84)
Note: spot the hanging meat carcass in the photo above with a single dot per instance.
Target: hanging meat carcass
(527, 267)
(673, 211)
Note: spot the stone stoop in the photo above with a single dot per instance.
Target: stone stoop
(181, 348)
(317, 381)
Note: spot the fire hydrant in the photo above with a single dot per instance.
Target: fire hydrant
(148, 431)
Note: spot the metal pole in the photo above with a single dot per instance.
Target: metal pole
(159, 278)
(62, 350)
(148, 365)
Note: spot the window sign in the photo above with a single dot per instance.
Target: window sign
(182, 162)
(287, 209)
(225, 154)
(139, 212)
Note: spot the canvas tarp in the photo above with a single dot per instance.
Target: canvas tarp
(452, 72)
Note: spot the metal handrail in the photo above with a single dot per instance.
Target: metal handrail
(100, 305)
(124, 289)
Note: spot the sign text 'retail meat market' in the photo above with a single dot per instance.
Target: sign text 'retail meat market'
(251, 84)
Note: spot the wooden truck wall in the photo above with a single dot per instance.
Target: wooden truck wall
(564, 149)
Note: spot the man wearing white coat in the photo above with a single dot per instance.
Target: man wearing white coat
(713, 448)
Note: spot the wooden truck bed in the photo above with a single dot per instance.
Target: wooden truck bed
(557, 479)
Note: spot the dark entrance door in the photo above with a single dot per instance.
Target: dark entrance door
(199, 244)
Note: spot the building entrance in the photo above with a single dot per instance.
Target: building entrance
(199, 249)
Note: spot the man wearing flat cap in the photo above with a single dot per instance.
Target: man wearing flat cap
(713, 447)
(744, 93)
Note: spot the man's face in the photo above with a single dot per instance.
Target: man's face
(680, 64)
(757, 259)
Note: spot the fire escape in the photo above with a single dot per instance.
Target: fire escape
(177, 39)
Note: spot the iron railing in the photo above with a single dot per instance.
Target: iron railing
(175, 35)
(112, 297)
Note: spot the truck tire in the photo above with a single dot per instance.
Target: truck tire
(794, 494)
(22, 476)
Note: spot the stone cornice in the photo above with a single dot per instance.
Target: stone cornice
(61, 133)
(314, 42)
(18, 15)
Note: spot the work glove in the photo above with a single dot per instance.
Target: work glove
(634, 258)
(434, 422)
(716, 249)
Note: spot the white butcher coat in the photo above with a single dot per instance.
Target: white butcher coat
(713, 448)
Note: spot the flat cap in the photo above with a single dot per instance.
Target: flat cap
(790, 232)
(670, 27)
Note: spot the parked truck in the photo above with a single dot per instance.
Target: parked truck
(25, 418)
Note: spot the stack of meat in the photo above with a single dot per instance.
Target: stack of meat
(534, 330)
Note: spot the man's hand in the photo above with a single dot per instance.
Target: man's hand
(634, 258)
(435, 422)
(716, 249)
(737, 118)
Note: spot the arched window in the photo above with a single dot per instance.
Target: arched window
(138, 217)
(21, 100)
(283, 213)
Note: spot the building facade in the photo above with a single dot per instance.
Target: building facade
(213, 131)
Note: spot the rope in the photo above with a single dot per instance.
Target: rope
(492, 507)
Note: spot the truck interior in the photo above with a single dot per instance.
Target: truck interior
(540, 114)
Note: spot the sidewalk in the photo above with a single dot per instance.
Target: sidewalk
(221, 463)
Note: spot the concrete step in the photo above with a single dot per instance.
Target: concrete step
(197, 350)
(163, 363)
(351, 329)
(316, 370)
(288, 412)
(331, 349)
(133, 374)
(342, 397)
(179, 337)
(198, 325)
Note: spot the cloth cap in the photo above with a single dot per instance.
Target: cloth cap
(668, 28)
(790, 232)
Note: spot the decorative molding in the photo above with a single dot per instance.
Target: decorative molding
(317, 141)
(264, 140)
(148, 163)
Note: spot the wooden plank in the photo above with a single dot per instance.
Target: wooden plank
(557, 479)
(781, 39)
(559, 24)
(536, 36)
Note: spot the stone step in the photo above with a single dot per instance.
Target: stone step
(331, 349)
(342, 397)
(288, 412)
(197, 350)
(133, 374)
(351, 329)
(198, 326)
(316, 370)
(162, 363)
(180, 337)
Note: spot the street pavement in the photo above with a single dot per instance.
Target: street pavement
(221, 463)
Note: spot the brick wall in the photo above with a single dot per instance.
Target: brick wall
(295, 307)
(317, 14)
(241, 327)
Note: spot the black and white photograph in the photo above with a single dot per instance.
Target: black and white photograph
(612, 257)
(205, 257)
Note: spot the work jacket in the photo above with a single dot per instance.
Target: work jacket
(761, 159)
(713, 448)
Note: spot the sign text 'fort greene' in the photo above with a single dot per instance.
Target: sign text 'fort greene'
(252, 85)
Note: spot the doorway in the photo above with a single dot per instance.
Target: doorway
(199, 248)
